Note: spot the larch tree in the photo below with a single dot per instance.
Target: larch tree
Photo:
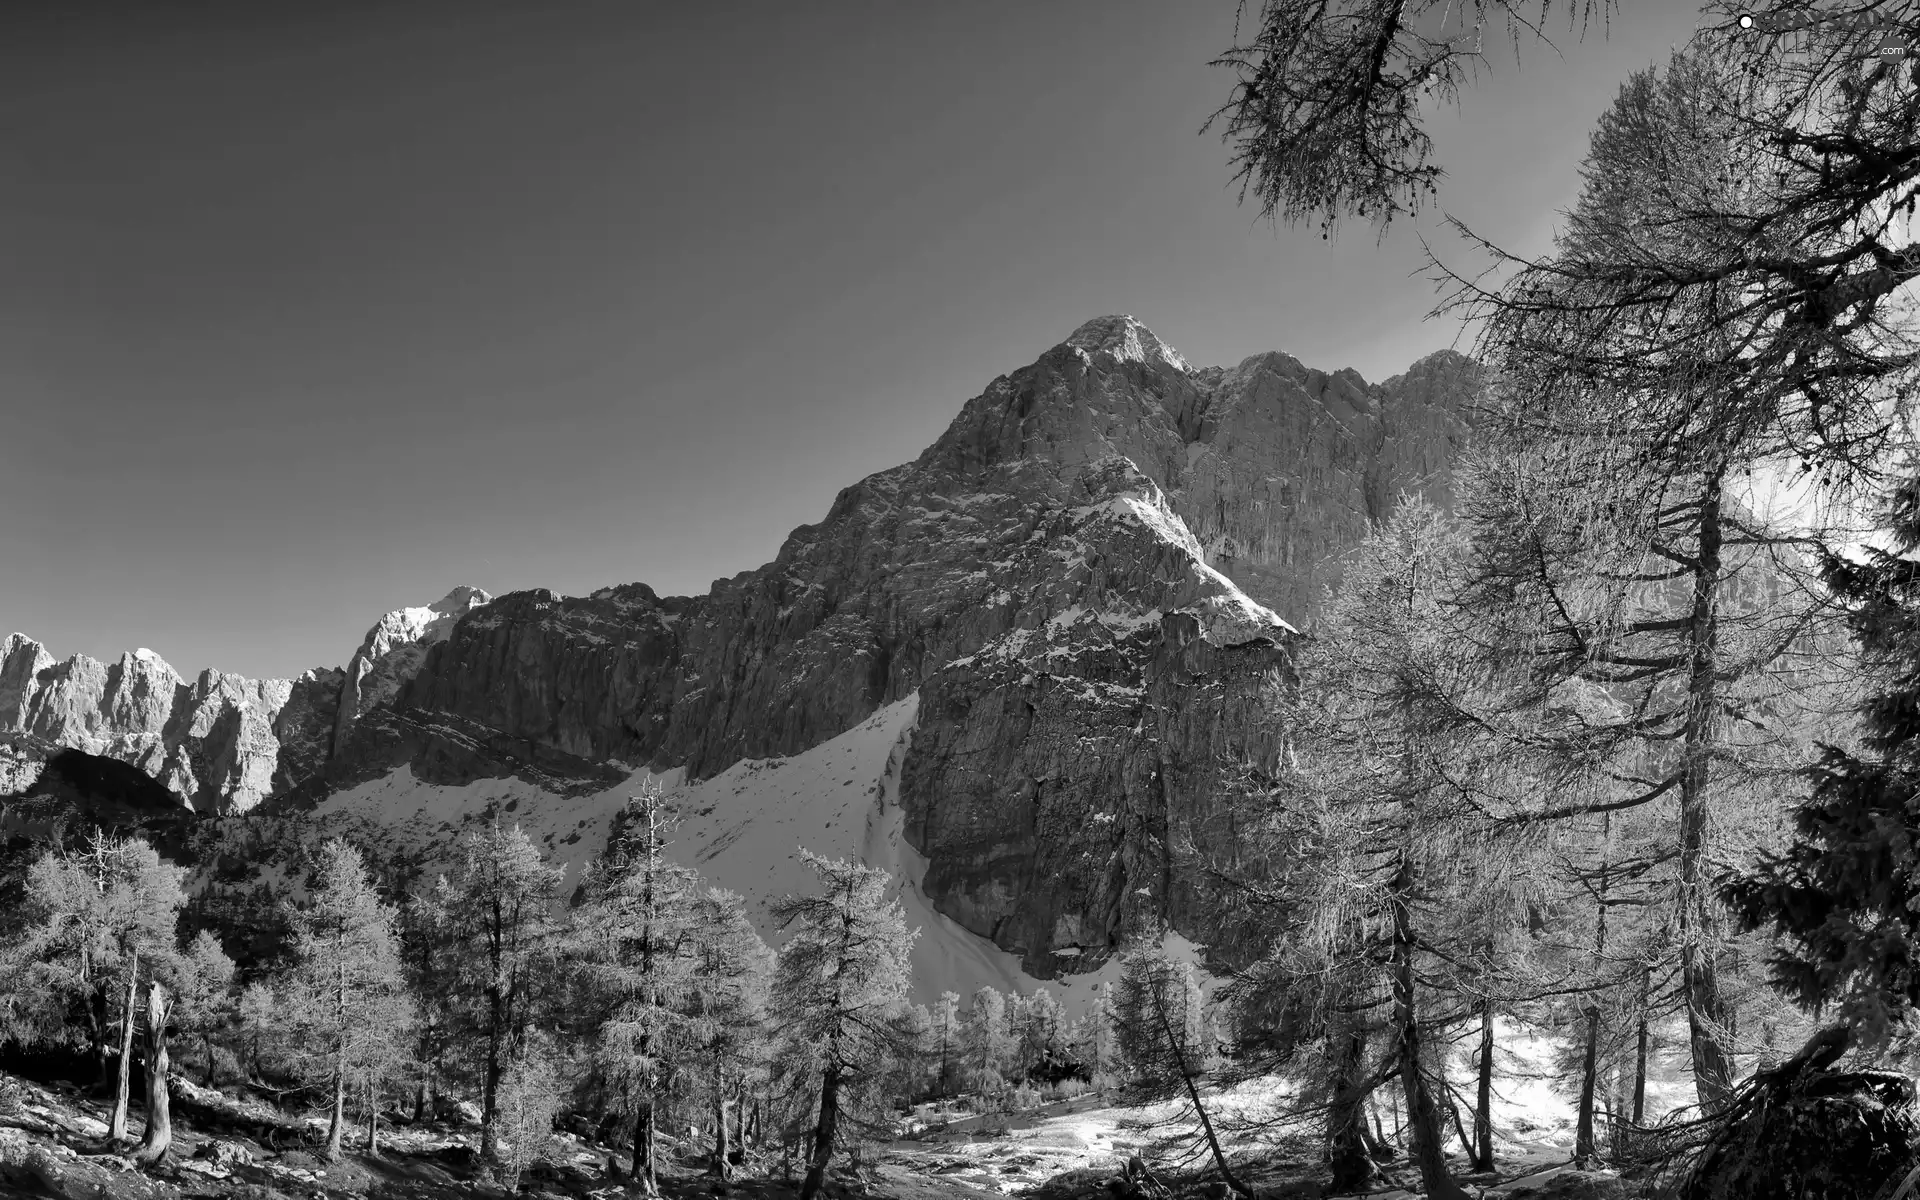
(989, 1041)
(1383, 821)
(344, 992)
(203, 996)
(1040, 1033)
(530, 1095)
(841, 987)
(503, 937)
(1092, 1038)
(1162, 1036)
(94, 920)
(428, 952)
(947, 1028)
(1327, 114)
(727, 975)
(631, 945)
(1636, 430)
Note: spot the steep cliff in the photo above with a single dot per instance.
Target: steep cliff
(222, 743)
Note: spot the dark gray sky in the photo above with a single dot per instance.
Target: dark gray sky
(310, 311)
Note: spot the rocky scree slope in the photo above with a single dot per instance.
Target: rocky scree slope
(1087, 580)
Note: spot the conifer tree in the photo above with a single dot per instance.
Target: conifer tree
(1093, 1039)
(1161, 1032)
(1368, 842)
(428, 950)
(989, 1042)
(632, 946)
(947, 1029)
(841, 985)
(203, 995)
(344, 993)
(257, 1019)
(1843, 895)
(94, 921)
(502, 934)
(530, 1096)
(1040, 1034)
(726, 997)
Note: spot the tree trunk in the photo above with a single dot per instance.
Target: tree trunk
(722, 1166)
(1616, 1112)
(373, 1120)
(823, 1132)
(1177, 1042)
(643, 1175)
(1423, 1118)
(1583, 1124)
(1483, 1093)
(337, 1130)
(1346, 1138)
(1377, 1144)
(97, 1005)
(1706, 1016)
(1583, 1144)
(206, 1044)
(490, 1081)
(337, 1126)
(159, 1136)
(117, 1128)
(1640, 1052)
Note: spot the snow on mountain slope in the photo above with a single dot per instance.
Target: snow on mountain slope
(742, 830)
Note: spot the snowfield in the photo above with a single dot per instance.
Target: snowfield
(742, 830)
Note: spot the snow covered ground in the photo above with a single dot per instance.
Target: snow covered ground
(743, 830)
(1533, 1120)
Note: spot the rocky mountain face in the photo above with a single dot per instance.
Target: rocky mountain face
(1088, 580)
(220, 744)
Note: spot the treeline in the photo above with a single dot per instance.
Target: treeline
(639, 1001)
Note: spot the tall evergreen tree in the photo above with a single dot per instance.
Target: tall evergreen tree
(989, 1041)
(726, 998)
(1620, 504)
(503, 934)
(203, 997)
(1040, 1034)
(428, 953)
(1844, 897)
(344, 993)
(96, 921)
(1164, 1041)
(841, 987)
(947, 1028)
(631, 940)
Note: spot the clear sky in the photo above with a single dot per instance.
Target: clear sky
(310, 311)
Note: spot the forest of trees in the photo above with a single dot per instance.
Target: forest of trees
(1620, 740)
(648, 1002)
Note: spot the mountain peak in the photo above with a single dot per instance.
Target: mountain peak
(1127, 340)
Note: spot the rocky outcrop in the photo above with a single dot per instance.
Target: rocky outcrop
(210, 742)
(392, 653)
(221, 743)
